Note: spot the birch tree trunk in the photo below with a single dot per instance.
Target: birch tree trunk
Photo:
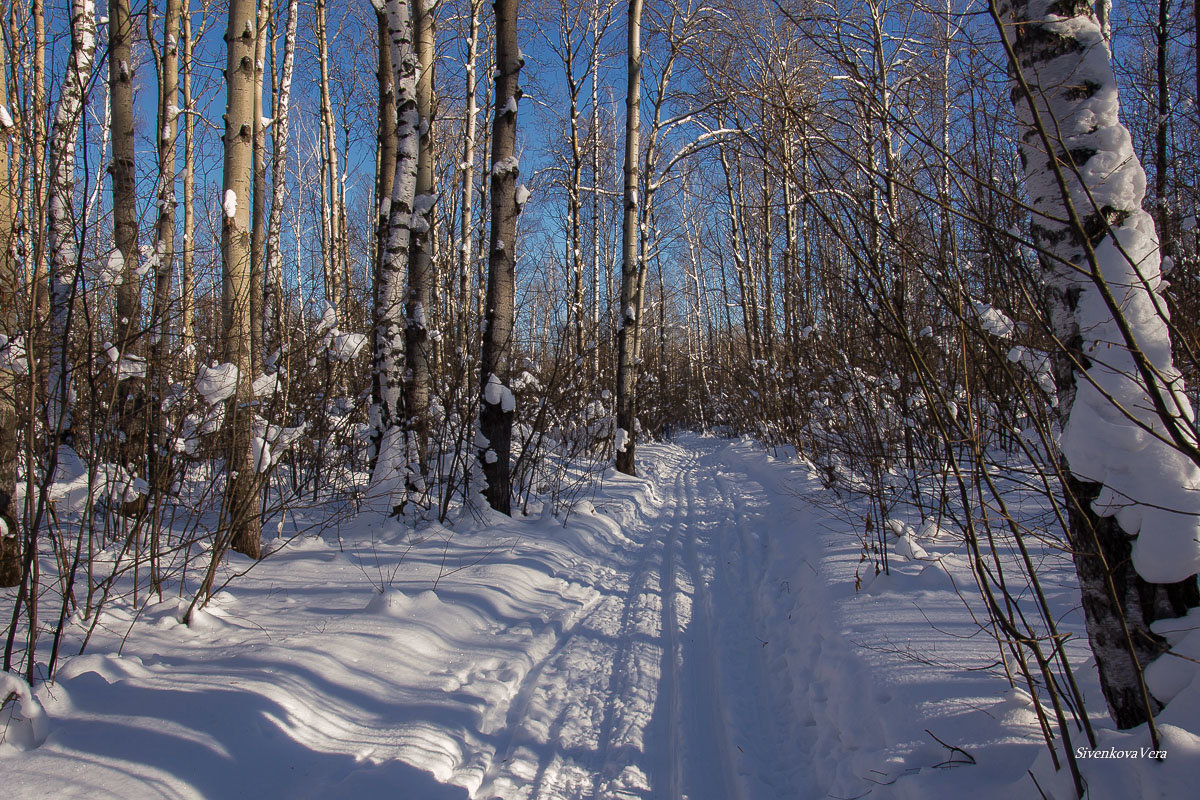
(574, 257)
(273, 308)
(631, 266)
(595, 73)
(1127, 441)
(385, 156)
(241, 497)
(420, 259)
(164, 235)
(745, 287)
(466, 251)
(36, 192)
(64, 257)
(330, 214)
(497, 402)
(258, 224)
(131, 400)
(187, 300)
(390, 477)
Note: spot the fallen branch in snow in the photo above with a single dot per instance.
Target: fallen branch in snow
(951, 762)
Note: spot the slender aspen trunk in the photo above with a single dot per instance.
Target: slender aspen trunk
(1162, 205)
(124, 172)
(790, 290)
(273, 306)
(187, 296)
(497, 404)
(746, 262)
(61, 233)
(241, 498)
(131, 394)
(485, 188)
(595, 73)
(419, 307)
(330, 214)
(698, 314)
(164, 238)
(258, 224)
(36, 193)
(768, 269)
(343, 236)
(466, 251)
(576, 315)
(745, 292)
(646, 226)
(385, 174)
(631, 265)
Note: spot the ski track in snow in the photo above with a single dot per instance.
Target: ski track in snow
(657, 725)
(626, 662)
(693, 636)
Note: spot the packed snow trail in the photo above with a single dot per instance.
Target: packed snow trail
(648, 696)
(618, 656)
(701, 632)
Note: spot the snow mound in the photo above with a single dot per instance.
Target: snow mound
(23, 724)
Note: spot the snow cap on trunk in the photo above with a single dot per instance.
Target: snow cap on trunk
(496, 393)
(1129, 423)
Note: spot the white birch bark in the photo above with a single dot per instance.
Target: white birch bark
(1133, 483)
(390, 475)
(421, 278)
(281, 118)
(631, 265)
(63, 255)
(467, 212)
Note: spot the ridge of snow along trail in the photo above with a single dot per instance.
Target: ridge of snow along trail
(694, 633)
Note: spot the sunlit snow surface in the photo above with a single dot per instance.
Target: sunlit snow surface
(695, 633)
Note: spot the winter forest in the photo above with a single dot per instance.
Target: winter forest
(710, 399)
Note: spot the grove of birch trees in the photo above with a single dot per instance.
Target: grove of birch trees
(417, 257)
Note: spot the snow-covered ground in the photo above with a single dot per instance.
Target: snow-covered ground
(694, 633)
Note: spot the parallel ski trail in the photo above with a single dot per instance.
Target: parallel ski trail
(661, 690)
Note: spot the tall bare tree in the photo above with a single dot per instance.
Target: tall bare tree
(421, 279)
(1100, 261)
(273, 309)
(498, 403)
(241, 497)
(61, 233)
(466, 247)
(131, 402)
(187, 298)
(332, 245)
(167, 65)
(631, 263)
(391, 477)
(258, 224)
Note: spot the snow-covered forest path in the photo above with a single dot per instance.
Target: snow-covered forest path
(661, 688)
(683, 635)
